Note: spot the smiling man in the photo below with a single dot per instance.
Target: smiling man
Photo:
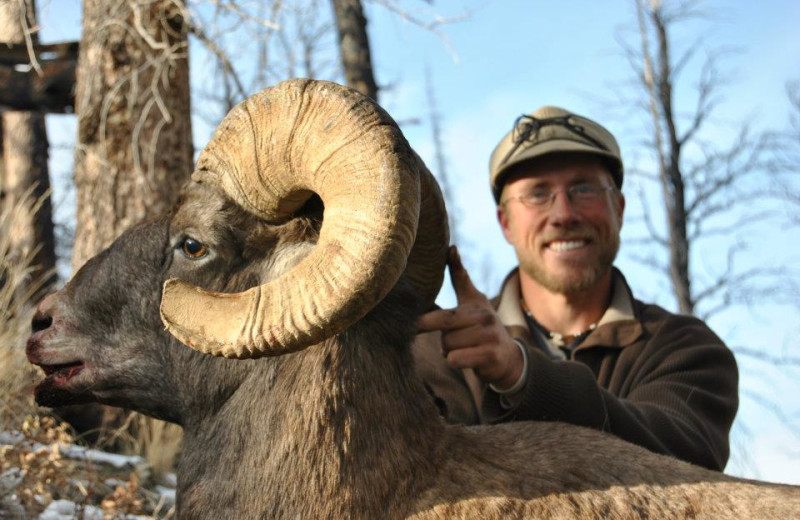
(566, 340)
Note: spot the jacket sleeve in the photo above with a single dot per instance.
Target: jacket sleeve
(677, 395)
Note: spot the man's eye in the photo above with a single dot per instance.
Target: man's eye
(584, 189)
(538, 196)
(194, 249)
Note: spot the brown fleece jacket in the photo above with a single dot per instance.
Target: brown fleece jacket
(660, 380)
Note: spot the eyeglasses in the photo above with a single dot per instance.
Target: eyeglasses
(526, 128)
(583, 194)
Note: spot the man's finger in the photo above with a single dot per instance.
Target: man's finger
(468, 337)
(448, 319)
(459, 277)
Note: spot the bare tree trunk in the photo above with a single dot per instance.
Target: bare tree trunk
(134, 130)
(25, 172)
(354, 46)
(709, 194)
(672, 178)
(658, 80)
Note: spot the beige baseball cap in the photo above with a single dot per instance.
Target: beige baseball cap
(551, 130)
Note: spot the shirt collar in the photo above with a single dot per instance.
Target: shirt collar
(621, 309)
(508, 308)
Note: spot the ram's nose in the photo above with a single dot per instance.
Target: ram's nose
(41, 327)
(43, 317)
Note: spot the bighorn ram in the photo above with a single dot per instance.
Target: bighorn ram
(332, 421)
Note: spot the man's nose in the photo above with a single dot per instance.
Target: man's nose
(562, 208)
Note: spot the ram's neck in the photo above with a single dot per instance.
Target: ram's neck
(341, 430)
(203, 384)
(369, 430)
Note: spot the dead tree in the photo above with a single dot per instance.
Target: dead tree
(708, 190)
(134, 131)
(25, 172)
(699, 183)
(354, 47)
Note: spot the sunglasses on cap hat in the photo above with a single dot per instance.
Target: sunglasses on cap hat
(526, 128)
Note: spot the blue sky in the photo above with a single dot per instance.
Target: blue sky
(509, 57)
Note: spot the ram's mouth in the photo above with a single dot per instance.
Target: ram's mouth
(60, 387)
(61, 373)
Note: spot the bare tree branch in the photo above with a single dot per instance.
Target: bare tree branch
(686, 57)
(705, 103)
(721, 170)
(697, 231)
(26, 13)
(769, 405)
(242, 14)
(702, 198)
(648, 80)
(225, 64)
(433, 23)
(765, 356)
(651, 228)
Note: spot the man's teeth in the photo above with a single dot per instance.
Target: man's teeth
(566, 246)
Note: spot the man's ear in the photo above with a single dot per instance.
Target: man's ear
(620, 207)
(504, 220)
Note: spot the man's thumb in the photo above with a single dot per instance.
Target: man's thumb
(459, 277)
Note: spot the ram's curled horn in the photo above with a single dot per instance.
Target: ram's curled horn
(269, 155)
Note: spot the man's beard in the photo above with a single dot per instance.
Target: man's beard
(583, 277)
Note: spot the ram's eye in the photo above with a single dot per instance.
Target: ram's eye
(194, 249)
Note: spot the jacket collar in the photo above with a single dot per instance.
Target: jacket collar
(618, 327)
(507, 303)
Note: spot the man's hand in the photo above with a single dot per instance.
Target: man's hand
(472, 334)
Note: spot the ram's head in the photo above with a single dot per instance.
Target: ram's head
(383, 214)
(306, 208)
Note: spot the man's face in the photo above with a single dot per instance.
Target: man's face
(568, 244)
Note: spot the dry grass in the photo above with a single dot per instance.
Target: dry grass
(158, 442)
(33, 470)
(17, 376)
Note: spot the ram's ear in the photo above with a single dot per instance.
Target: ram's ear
(270, 154)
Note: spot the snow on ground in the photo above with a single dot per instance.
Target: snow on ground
(74, 452)
(12, 477)
(66, 510)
